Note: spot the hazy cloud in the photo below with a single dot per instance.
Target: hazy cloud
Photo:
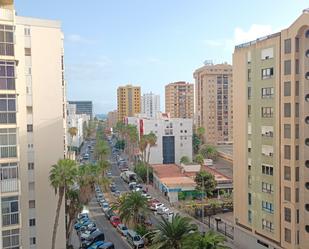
(76, 38)
(254, 32)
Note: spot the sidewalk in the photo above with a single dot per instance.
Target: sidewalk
(202, 227)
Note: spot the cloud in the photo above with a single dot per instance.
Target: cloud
(254, 32)
(76, 38)
(214, 43)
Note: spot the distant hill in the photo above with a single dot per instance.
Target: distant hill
(101, 116)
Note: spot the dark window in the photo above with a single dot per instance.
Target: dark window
(296, 44)
(27, 51)
(30, 166)
(168, 149)
(32, 204)
(287, 152)
(287, 131)
(6, 40)
(32, 222)
(287, 67)
(29, 128)
(296, 110)
(267, 92)
(267, 73)
(297, 174)
(296, 152)
(267, 112)
(297, 131)
(249, 111)
(249, 199)
(287, 235)
(297, 88)
(287, 46)
(287, 88)
(296, 66)
(287, 214)
(287, 110)
(287, 173)
(287, 194)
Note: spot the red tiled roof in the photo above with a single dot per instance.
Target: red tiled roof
(166, 170)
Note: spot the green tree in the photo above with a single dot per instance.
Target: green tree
(74, 207)
(151, 141)
(209, 151)
(62, 176)
(199, 159)
(205, 182)
(196, 143)
(102, 150)
(140, 169)
(171, 235)
(184, 160)
(200, 131)
(210, 240)
(143, 143)
(120, 144)
(73, 132)
(131, 206)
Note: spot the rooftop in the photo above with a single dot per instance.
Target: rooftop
(180, 181)
(167, 170)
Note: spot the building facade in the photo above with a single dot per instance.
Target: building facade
(271, 152)
(174, 137)
(150, 104)
(179, 99)
(32, 128)
(128, 101)
(112, 119)
(83, 107)
(214, 102)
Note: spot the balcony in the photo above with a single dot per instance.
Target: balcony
(6, 14)
(8, 186)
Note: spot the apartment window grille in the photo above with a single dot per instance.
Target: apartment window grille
(7, 75)
(267, 92)
(287, 173)
(32, 222)
(287, 193)
(11, 239)
(267, 187)
(8, 171)
(287, 67)
(287, 88)
(287, 214)
(267, 170)
(6, 40)
(267, 73)
(267, 225)
(287, 131)
(8, 148)
(287, 46)
(287, 235)
(27, 51)
(30, 166)
(10, 210)
(29, 128)
(267, 207)
(7, 108)
(32, 241)
(287, 152)
(267, 112)
(249, 198)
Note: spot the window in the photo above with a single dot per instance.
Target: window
(32, 222)
(287, 46)
(287, 152)
(27, 51)
(297, 174)
(287, 214)
(8, 171)
(267, 225)
(11, 239)
(32, 241)
(8, 143)
(249, 111)
(267, 170)
(31, 186)
(287, 235)
(297, 216)
(296, 110)
(267, 187)
(249, 75)
(267, 53)
(249, 216)
(267, 92)
(30, 166)
(287, 173)
(287, 88)
(268, 207)
(27, 31)
(32, 204)
(287, 194)
(267, 112)
(6, 40)
(249, 92)
(287, 67)
(29, 128)
(287, 110)
(10, 210)
(297, 88)
(297, 131)
(249, 199)
(296, 44)
(296, 152)
(7, 108)
(296, 66)
(287, 131)
(7, 75)
(267, 73)
(297, 195)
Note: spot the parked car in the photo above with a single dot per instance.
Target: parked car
(113, 188)
(148, 197)
(155, 206)
(94, 237)
(116, 193)
(168, 216)
(105, 206)
(84, 225)
(102, 245)
(80, 222)
(122, 229)
(109, 213)
(162, 210)
(109, 174)
(84, 235)
(115, 221)
(134, 239)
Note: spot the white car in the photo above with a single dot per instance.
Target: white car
(163, 210)
(148, 197)
(168, 216)
(105, 206)
(155, 206)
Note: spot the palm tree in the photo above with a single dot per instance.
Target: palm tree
(102, 150)
(62, 176)
(199, 159)
(151, 141)
(131, 206)
(73, 132)
(210, 240)
(143, 146)
(171, 235)
(209, 151)
(200, 131)
(74, 206)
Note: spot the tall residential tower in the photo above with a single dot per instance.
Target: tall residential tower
(32, 128)
(128, 101)
(179, 99)
(214, 102)
(150, 104)
(271, 146)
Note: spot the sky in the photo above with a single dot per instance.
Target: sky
(151, 43)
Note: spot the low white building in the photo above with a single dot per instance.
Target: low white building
(76, 120)
(174, 137)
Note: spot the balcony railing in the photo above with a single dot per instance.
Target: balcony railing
(10, 185)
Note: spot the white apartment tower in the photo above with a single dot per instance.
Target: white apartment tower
(32, 128)
(150, 104)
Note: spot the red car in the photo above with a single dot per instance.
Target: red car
(115, 221)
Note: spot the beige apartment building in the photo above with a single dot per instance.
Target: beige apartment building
(112, 119)
(214, 102)
(128, 101)
(179, 99)
(271, 149)
(32, 128)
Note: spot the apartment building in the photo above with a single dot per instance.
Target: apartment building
(150, 104)
(112, 119)
(179, 99)
(271, 152)
(128, 101)
(174, 137)
(214, 102)
(83, 107)
(32, 128)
